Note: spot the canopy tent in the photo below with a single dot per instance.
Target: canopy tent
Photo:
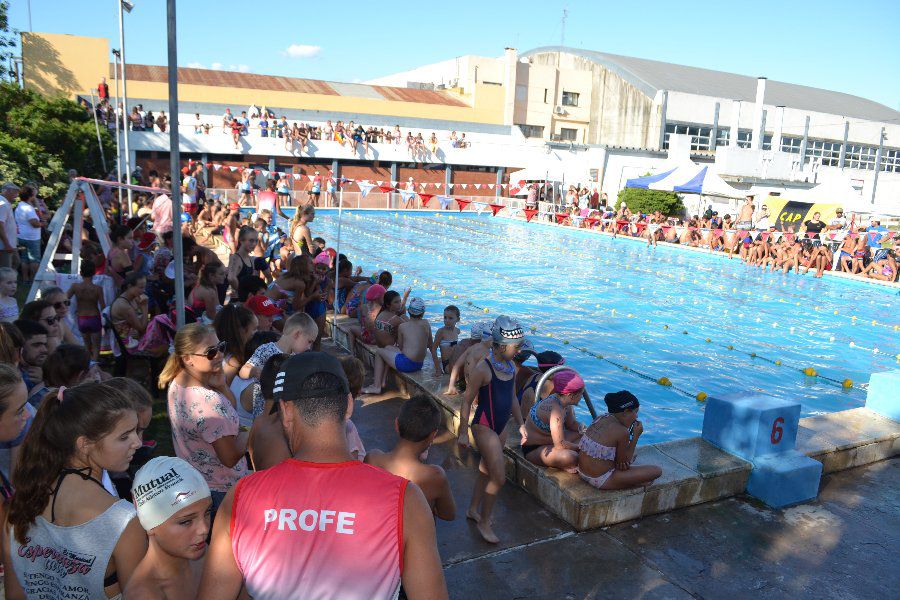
(707, 183)
(647, 181)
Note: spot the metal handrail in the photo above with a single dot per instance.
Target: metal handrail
(553, 371)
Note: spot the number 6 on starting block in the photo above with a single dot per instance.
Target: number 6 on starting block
(763, 430)
(751, 425)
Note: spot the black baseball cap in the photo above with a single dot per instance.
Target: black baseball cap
(300, 367)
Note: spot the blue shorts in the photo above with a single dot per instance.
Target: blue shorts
(880, 254)
(316, 309)
(31, 253)
(404, 365)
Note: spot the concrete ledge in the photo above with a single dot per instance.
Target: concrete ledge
(694, 471)
(849, 438)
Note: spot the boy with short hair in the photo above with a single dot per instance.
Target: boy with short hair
(418, 425)
(298, 336)
(413, 342)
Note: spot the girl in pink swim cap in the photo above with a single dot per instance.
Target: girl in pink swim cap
(552, 430)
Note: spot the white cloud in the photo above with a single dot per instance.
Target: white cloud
(239, 68)
(196, 65)
(302, 51)
(217, 66)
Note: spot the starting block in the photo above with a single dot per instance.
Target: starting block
(883, 396)
(763, 430)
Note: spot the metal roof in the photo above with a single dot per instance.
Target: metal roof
(649, 76)
(210, 77)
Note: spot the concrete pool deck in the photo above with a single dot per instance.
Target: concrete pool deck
(694, 471)
(829, 548)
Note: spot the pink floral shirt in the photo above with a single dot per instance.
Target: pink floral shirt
(200, 416)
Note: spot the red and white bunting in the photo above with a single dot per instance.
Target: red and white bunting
(394, 183)
(477, 186)
(491, 185)
(438, 185)
(233, 169)
(217, 167)
(464, 185)
(379, 183)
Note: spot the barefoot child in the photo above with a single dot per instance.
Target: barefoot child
(446, 338)
(469, 352)
(408, 356)
(492, 381)
(9, 308)
(606, 450)
(553, 431)
(89, 305)
(417, 425)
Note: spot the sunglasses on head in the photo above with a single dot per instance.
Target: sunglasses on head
(213, 351)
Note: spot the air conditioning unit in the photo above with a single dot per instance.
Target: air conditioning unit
(559, 110)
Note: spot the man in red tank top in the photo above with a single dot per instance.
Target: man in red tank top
(320, 524)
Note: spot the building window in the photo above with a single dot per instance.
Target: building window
(700, 135)
(545, 95)
(569, 99)
(890, 161)
(791, 144)
(568, 135)
(722, 137)
(521, 93)
(828, 152)
(861, 157)
(532, 131)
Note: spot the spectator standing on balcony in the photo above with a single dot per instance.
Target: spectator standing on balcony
(236, 129)
(227, 119)
(103, 89)
(264, 126)
(149, 121)
(254, 112)
(283, 127)
(162, 121)
(454, 139)
(137, 121)
(245, 123)
(328, 132)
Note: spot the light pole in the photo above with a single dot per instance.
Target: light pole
(174, 160)
(125, 5)
(117, 117)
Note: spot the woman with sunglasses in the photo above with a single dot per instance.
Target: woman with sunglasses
(205, 428)
(43, 312)
(67, 330)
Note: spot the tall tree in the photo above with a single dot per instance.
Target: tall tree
(41, 138)
(7, 41)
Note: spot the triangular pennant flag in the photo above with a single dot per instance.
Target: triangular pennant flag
(217, 167)
(297, 176)
(514, 211)
(504, 185)
(364, 188)
(407, 195)
(425, 199)
(464, 185)
(233, 169)
(560, 217)
(438, 185)
(445, 201)
(462, 204)
(394, 183)
(379, 183)
(311, 178)
(386, 189)
(477, 186)
(491, 185)
(495, 208)
(479, 206)
(450, 185)
(529, 213)
(591, 221)
(422, 185)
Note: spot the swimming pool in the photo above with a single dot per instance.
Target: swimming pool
(706, 324)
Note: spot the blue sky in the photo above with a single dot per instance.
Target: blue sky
(844, 46)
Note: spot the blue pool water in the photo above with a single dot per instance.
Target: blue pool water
(650, 310)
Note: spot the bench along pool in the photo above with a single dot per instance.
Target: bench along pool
(667, 324)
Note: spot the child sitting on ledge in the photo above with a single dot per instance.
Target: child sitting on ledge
(606, 451)
(408, 356)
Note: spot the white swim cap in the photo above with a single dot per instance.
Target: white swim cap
(164, 486)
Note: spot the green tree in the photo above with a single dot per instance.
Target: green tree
(7, 40)
(649, 201)
(41, 138)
